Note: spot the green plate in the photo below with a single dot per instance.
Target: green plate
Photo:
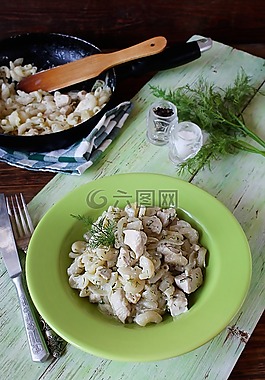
(212, 307)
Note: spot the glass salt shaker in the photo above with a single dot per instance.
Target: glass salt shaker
(159, 118)
(185, 141)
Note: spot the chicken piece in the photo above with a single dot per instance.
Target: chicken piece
(177, 304)
(166, 216)
(190, 280)
(136, 240)
(119, 304)
(152, 225)
(150, 211)
(125, 258)
(135, 225)
(172, 255)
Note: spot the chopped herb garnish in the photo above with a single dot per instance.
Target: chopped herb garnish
(102, 233)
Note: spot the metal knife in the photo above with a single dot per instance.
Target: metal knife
(38, 348)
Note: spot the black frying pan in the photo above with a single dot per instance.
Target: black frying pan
(48, 50)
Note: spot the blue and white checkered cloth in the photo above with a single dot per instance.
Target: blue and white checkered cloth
(79, 156)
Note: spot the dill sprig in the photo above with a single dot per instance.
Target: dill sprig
(219, 113)
(102, 232)
(87, 220)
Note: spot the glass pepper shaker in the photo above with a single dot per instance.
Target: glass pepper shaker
(159, 118)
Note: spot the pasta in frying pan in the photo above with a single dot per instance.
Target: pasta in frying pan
(40, 112)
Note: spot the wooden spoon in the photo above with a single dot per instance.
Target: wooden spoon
(89, 67)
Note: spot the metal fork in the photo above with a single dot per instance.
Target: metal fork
(20, 220)
(23, 230)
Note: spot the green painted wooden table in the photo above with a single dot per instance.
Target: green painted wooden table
(237, 181)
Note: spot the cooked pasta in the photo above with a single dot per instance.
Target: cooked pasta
(155, 262)
(40, 112)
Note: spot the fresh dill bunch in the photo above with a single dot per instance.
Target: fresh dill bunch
(101, 233)
(237, 96)
(218, 112)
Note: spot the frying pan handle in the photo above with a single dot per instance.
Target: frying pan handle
(174, 56)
